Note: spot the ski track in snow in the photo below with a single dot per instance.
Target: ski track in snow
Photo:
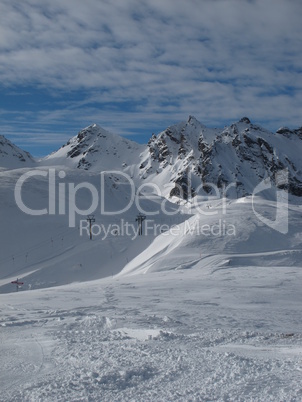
(182, 335)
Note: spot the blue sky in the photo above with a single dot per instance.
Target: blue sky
(136, 66)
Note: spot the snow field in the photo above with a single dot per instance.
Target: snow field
(177, 335)
(45, 251)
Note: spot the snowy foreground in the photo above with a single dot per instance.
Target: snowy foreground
(232, 333)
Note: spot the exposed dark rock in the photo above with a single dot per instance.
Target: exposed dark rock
(245, 120)
(76, 151)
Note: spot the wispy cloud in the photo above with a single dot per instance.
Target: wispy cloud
(135, 64)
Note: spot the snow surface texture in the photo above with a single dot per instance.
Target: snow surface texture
(183, 313)
(194, 335)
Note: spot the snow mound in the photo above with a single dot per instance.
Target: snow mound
(234, 238)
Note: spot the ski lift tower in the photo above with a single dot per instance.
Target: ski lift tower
(140, 219)
(91, 220)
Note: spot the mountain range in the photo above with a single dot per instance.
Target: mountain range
(185, 159)
(187, 162)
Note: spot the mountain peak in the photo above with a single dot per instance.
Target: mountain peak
(90, 131)
(194, 122)
(192, 119)
(286, 132)
(12, 156)
(96, 148)
(245, 120)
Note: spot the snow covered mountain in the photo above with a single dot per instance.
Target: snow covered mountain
(13, 157)
(188, 158)
(182, 158)
(95, 149)
(241, 155)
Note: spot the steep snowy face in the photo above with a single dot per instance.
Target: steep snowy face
(172, 155)
(176, 143)
(13, 157)
(241, 155)
(246, 154)
(96, 149)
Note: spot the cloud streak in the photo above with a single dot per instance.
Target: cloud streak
(134, 62)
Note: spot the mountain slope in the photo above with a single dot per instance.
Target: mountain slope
(188, 158)
(224, 238)
(52, 249)
(96, 149)
(195, 159)
(12, 156)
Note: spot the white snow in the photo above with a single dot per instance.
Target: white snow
(206, 307)
(231, 334)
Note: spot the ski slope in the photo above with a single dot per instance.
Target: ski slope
(226, 334)
(238, 238)
(206, 305)
(188, 317)
(45, 251)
